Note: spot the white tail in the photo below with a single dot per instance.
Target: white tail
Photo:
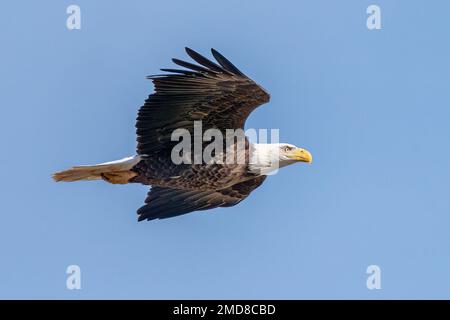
(115, 171)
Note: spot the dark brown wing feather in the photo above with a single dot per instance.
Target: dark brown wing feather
(218, 94)
(168, 202)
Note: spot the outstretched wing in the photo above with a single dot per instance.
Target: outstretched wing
(219, 95)
(165, 203)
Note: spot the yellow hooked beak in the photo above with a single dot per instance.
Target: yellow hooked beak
(300, 155)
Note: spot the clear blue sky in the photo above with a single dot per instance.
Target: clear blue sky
(372, 106)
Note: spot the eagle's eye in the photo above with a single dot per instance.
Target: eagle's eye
(287, 148)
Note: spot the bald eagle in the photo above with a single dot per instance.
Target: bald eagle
(221, 97)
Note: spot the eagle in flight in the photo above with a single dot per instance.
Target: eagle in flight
(220, 97)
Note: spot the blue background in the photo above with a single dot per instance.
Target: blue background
(372, 107)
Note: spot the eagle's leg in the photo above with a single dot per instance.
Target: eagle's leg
(118, 177)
